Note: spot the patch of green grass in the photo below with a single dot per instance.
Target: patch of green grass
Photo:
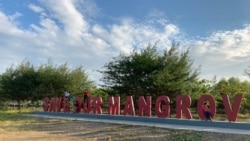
(154, 130)
(185, 136)
(12, 115)
(14, 120)
(8, 116)
(123, 127)
(245, 139)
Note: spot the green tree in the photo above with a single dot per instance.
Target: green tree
(19, 83)
(132, 74)
(52, 80)
(147, 72)
(78, 81)
(55, 80)
(201, 87)
(175, 74)
(27, 83)
(231, 87)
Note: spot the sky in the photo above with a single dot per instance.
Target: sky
(89, 33)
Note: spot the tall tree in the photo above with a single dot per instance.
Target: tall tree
(19, 83)
(147, 72)
(131, 74)
(52, 80)
(78, 81)
(176, 74)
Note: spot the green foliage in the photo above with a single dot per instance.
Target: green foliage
(52, 80)
(231, 87)
(19, 84)
(27, 83)
(199, 88)
(175, 74)
(78, 81)
(147, 72)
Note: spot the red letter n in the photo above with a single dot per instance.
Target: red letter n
(144, 107)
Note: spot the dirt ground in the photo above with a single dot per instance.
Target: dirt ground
(65, 130)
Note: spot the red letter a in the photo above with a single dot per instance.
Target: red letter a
(129, 106)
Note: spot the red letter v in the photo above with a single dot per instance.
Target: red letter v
(232, 112)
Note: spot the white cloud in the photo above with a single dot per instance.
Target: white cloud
(8, 22)
(74, 23)
(13, 17)
(223, 53)
(36, 8)
(66, 34)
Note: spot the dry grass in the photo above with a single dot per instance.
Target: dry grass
(14, 127)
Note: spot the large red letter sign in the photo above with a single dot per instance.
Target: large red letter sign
(46, 104)
(212, 104)
(79, 104)
(162, 107)
(183, 102)
(114, 105)
(55, 104)
(144, 107)
(129, 106)
(232, 112)
(97, 105)
(87, 106)
(66, 104)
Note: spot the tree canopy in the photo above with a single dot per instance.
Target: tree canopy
(25, 82)
(149, 72)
